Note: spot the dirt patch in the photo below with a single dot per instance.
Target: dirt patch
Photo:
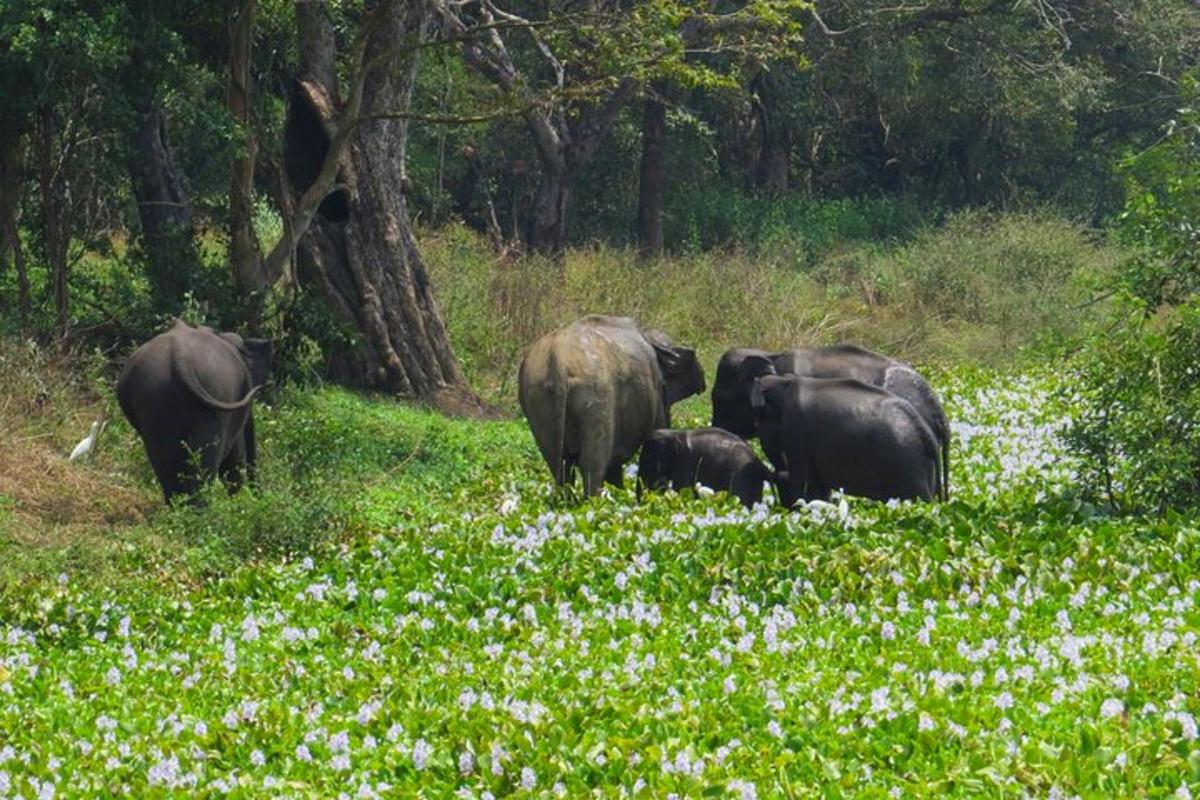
(48, 406)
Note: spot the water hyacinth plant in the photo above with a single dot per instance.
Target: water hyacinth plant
(503, 642)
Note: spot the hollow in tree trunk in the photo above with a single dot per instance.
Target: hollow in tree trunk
(359, 251)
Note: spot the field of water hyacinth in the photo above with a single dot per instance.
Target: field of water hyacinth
(489, 639)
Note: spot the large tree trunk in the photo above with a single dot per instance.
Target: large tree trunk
(245, 257)
(652, 176)
(164, 210)
(775, 154)
(54, 226)
(775, 165)
(548, 223)
(360, 252)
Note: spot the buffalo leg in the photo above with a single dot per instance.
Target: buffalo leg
(615, 474)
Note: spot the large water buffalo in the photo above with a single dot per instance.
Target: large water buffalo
(188, 393)
(823, 434)
(741, 366)
(596, 389)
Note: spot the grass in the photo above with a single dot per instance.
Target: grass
(984, 288)
(403, 607)
(323, 453)
(467, 632)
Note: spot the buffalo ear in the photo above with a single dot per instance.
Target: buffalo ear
(257, 354)
(680, 368)
(755, 367)
(758, 401)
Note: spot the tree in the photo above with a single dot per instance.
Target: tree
(350, 227)
(58, 61)
(652, 176)
(589, 63)
(245, 256)
(164, 203)
(12, 147)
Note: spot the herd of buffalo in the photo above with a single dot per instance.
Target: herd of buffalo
(595, 393)
(829, 418)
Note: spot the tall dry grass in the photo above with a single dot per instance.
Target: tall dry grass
(48, 404)
(982, 288)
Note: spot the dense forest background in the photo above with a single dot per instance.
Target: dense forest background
(280, 166)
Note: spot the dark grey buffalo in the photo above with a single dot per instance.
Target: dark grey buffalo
(188, 393)
(741, 366)
(823, 434)
(596, 389)
(709, 457)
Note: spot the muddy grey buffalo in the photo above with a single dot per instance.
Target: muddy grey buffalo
(823, 434)
(709, 457)
(188, 393)
(741, 366)
(596, 389)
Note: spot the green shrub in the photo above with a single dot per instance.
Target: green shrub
(1137, 427)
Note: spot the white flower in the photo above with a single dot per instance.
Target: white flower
(466, 762)
(925, 722)
(302, 753)
(1004, 700)
(420, 753)
(746, 790)
(1112, 707)
(528, 779)
(164, 773)
(887, 631)
(257, 758)
(730, 685)
(113, 676)
(499, 756)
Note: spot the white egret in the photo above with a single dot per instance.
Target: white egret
(85, 447)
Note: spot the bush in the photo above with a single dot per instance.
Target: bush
(1137, 429)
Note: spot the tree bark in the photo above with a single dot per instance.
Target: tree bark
(548, 223)
(245, 256)
(652, 176)
(366, 263)
(775, 166)
(54, 231)
(12, 179)
(774, 159)
(164, 210)
(566, 144)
